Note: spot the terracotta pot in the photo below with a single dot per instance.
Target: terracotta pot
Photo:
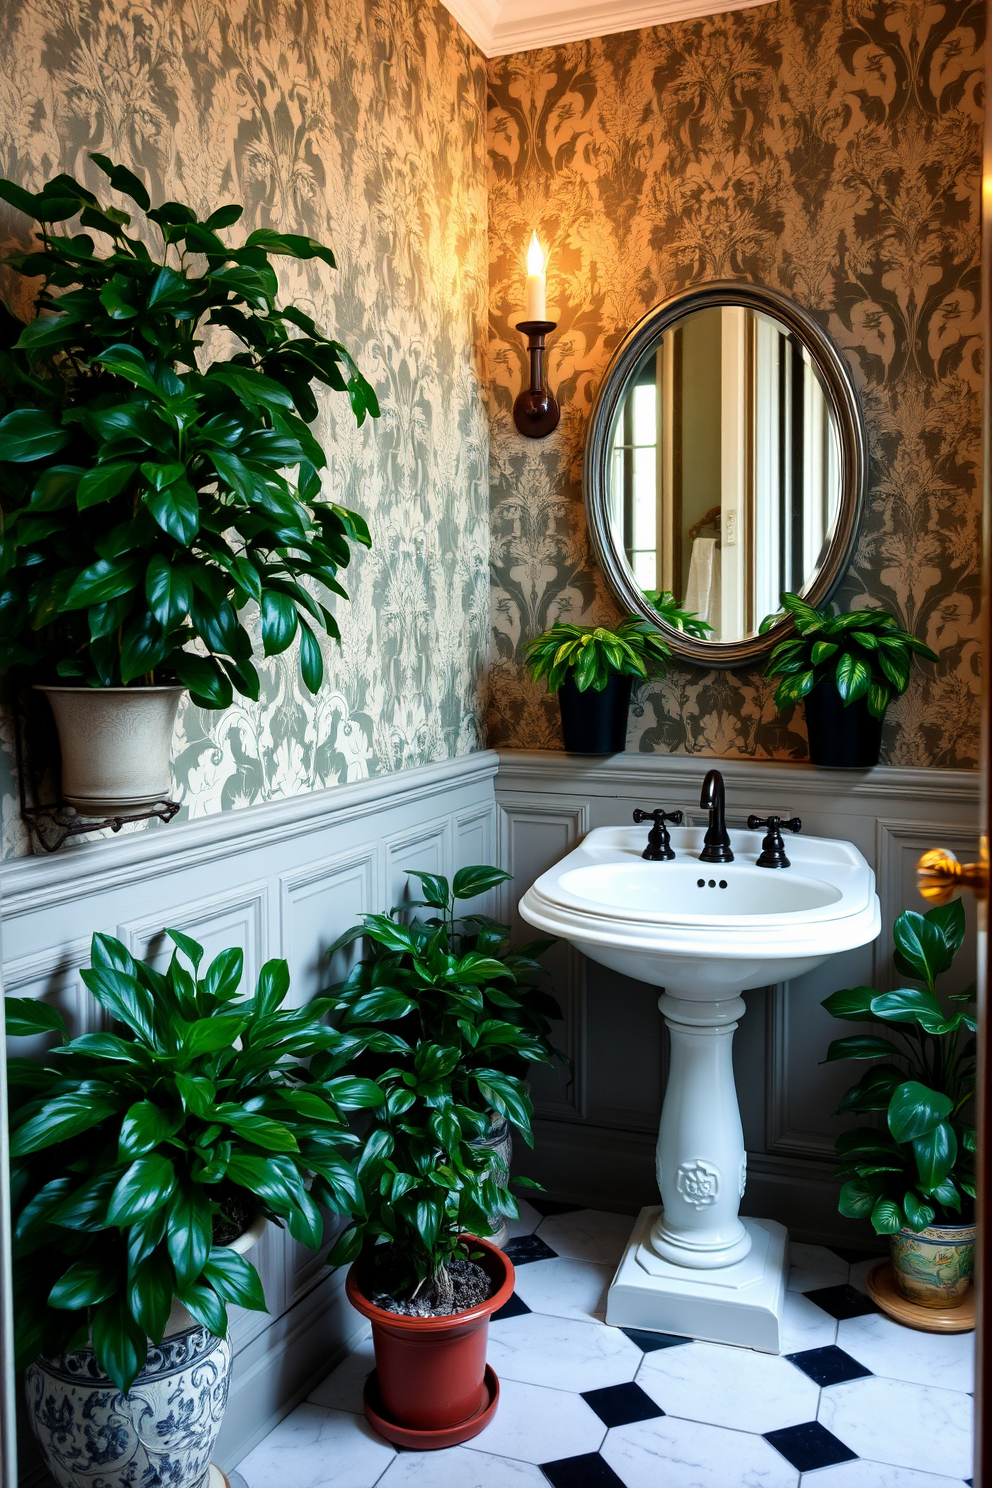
(595, 722)
(116, 745)
(933, 1267)
(431, 1371)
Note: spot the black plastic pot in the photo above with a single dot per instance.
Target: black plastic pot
(841, 737)
(595, 722)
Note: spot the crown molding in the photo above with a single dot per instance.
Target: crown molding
(499, 27)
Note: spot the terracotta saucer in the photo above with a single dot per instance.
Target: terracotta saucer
(885, 1294)
(427, 1441)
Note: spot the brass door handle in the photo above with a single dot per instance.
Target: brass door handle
(939, 875)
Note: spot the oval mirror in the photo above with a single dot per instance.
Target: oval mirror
(725, 463)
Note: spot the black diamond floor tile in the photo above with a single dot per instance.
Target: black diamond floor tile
(809, 1446)
(547, 1207)
(588, 1471)
(622, 1405)
(842, 1302)
(516, 1307)
(648, 1342)
(528, 1248)
(828, 1366)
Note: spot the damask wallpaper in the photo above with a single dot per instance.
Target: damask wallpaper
(361, 122)
(830, 149)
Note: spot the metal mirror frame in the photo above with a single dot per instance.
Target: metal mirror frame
(843, 400)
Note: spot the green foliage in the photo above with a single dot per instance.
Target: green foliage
(865, 653)
(591, 654)
(446, 1015)
(921, 1168)
(668, 607)
(149, 498)
(130, 1148)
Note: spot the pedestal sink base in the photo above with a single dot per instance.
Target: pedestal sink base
(740, 1304)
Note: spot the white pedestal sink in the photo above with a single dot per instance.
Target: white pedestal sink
(705, 932)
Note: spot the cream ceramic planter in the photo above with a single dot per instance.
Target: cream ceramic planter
(933, 1267)
(161, 1433)
(116, 745)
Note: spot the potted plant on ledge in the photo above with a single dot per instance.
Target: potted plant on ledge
(145, 1160)
(152, 495)
(421, 1275)
(845, 669)
(592, 669)
(914, 1177)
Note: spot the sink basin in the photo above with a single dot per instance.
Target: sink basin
(705, 933)
(699, 929)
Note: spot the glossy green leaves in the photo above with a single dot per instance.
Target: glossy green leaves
(151, 500)
(130, 1146)
(591, 654)
(865, 654)
(922, 1166)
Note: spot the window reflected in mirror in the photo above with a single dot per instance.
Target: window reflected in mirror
(725, 471)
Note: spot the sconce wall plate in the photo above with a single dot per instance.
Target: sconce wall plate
(535, 410)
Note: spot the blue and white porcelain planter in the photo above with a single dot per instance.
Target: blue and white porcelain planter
(160, 1434)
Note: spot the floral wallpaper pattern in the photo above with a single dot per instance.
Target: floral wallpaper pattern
(361, 122)
(832, 150)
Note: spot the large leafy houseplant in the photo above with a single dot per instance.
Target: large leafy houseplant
(153, 493)
(918, 1166)
(590, 655)
(137, 1152)
(446, 1016)
(865, 654)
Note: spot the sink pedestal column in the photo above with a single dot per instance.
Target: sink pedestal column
(694, 1266)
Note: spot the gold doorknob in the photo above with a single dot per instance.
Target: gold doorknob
(939, 875)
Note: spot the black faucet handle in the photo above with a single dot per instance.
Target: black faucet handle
(659, 848)
(772, 853)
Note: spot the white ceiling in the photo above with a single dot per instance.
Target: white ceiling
(501, 26)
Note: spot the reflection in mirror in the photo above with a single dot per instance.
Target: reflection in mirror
(724, 481)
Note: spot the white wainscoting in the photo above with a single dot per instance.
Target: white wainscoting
(595, 1138)
(283, 879)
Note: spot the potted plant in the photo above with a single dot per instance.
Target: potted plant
(845, 669)
(155, 496)
(421, 1276)
(914, 1177)
(144, 1161)
(673, 614)
(499, 1019)
(592, 670)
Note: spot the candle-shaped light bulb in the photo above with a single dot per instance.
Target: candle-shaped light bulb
(537, 283)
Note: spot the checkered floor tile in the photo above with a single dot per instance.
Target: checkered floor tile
(854, 1401)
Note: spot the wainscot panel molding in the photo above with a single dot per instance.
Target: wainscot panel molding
(499, 27)
(280, 879)
(595, 1137)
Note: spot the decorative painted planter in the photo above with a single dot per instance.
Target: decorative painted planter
(116, 745)
(934, 1268)
(499, 1141)
(161, 1433)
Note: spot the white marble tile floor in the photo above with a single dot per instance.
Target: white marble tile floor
(854, 1401)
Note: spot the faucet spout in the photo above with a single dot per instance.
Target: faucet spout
(716, 843)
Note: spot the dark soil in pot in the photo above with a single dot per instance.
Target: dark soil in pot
(469, 1286)
(236, 1216)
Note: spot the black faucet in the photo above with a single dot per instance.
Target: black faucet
(772, 853)
(716, 843)
(659, 848)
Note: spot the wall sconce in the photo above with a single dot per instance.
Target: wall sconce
(535, 410)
